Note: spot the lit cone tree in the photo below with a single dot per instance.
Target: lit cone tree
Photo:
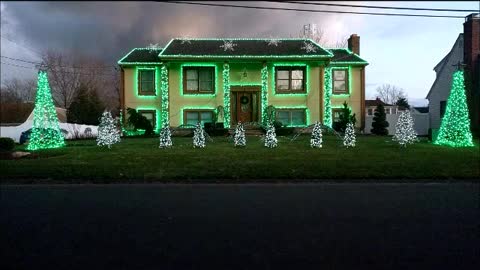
(239, 138)
(108, 133)
(46, 129)
(455, 127)
(404, 132)
(271, 137)
(165, 137)
(316, 140)
(349, 138)
(198, 137)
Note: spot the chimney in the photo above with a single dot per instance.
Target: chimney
(471, 56)
(471, 40)
(354, 43)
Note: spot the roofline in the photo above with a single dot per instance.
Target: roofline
(328, 55)
(120, 61)
(363, 62)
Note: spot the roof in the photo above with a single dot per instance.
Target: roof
(421, 109)
(141, 56)
(344, 55)
(375, 102)
(244, 48)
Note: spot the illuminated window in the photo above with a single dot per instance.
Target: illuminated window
(150, 115)
(340, 81)
(198, 80)
(291, 117)
(146, 82)
(192, 117)
(290, 79)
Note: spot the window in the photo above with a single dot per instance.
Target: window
(340, 81)
(387, 110)
(192, 117)
(150, 115)
(336, 112)
(198, 80)
(370, 112)
(292, 117)
(443, 105)
(146, 82)
(290, 79)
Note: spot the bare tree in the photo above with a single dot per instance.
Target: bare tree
(18, 91)
(390, 93)
(318, 35)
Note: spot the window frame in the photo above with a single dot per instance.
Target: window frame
(290, 110)
(140, 91)
(199, 91)
(199, 113)
(370, 111)
(347, 81)
(333, 113)
(290, 79)
(153, 112)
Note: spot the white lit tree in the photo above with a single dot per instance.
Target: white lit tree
(271, 137)
(316, 140)
(349, 138)
(239, 138)
(108, 132)
(198, 137)
(165, 137)
(404, 132)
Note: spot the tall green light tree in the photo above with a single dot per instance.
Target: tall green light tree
(455, 127)
(46, 130)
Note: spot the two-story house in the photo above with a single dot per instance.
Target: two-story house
(203, 79)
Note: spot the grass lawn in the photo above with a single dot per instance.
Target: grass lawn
(140, 160)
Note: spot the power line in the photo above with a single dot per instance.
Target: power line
(96, 74)
(40, 63)
(316, 10)
(376, 7)
(34, 51)
(9, 64)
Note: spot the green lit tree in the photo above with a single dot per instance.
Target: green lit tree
(46, 130)
(455, 127)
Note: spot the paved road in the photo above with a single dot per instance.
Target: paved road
(269, 226)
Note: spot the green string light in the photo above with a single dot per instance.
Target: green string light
(455, 127)
(46, 129)
(264, 75)
(327, 94)
(226, 95)
(164, 88)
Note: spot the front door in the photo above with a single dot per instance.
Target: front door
(244, 107)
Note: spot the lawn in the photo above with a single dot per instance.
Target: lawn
(140, 160)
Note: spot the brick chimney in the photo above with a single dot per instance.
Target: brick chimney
(354, 43)
(471, 58)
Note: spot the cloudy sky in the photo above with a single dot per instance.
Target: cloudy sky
(401, 50)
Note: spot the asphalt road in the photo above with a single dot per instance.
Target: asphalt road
(260, 226)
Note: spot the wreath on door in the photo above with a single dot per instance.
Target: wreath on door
(244, 100)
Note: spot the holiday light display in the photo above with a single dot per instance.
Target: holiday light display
(46, 130)
(327, 94)
(239, 137)
(164, 88)
(316, 140)
(108, 132)
(264, 74)
(271, 137)
(198, 137)
(404, 132)
(226, 95)
(349, 138)
(455, 127)
(165, 137)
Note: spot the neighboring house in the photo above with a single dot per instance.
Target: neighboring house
(419, 114)
(196, 80)
(17, 118)
(466, 50)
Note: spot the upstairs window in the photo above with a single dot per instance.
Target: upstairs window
(146, 82)
(340, 81)
(199, 80)
(290, 79)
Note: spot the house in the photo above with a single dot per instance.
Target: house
(230, 80)
(466, 50)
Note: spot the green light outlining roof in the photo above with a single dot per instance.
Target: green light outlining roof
(141, 56)
(246, 48)
(344, 56)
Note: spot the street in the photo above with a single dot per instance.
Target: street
(244, 226)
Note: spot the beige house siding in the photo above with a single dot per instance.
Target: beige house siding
(313, 100)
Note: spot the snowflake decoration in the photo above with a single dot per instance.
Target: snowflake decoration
(274, 42)
(228, 45)
(153, 47)
(186, 39)
(309, 47)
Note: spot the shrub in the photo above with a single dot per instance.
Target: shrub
(6, 144)
(380, 123)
